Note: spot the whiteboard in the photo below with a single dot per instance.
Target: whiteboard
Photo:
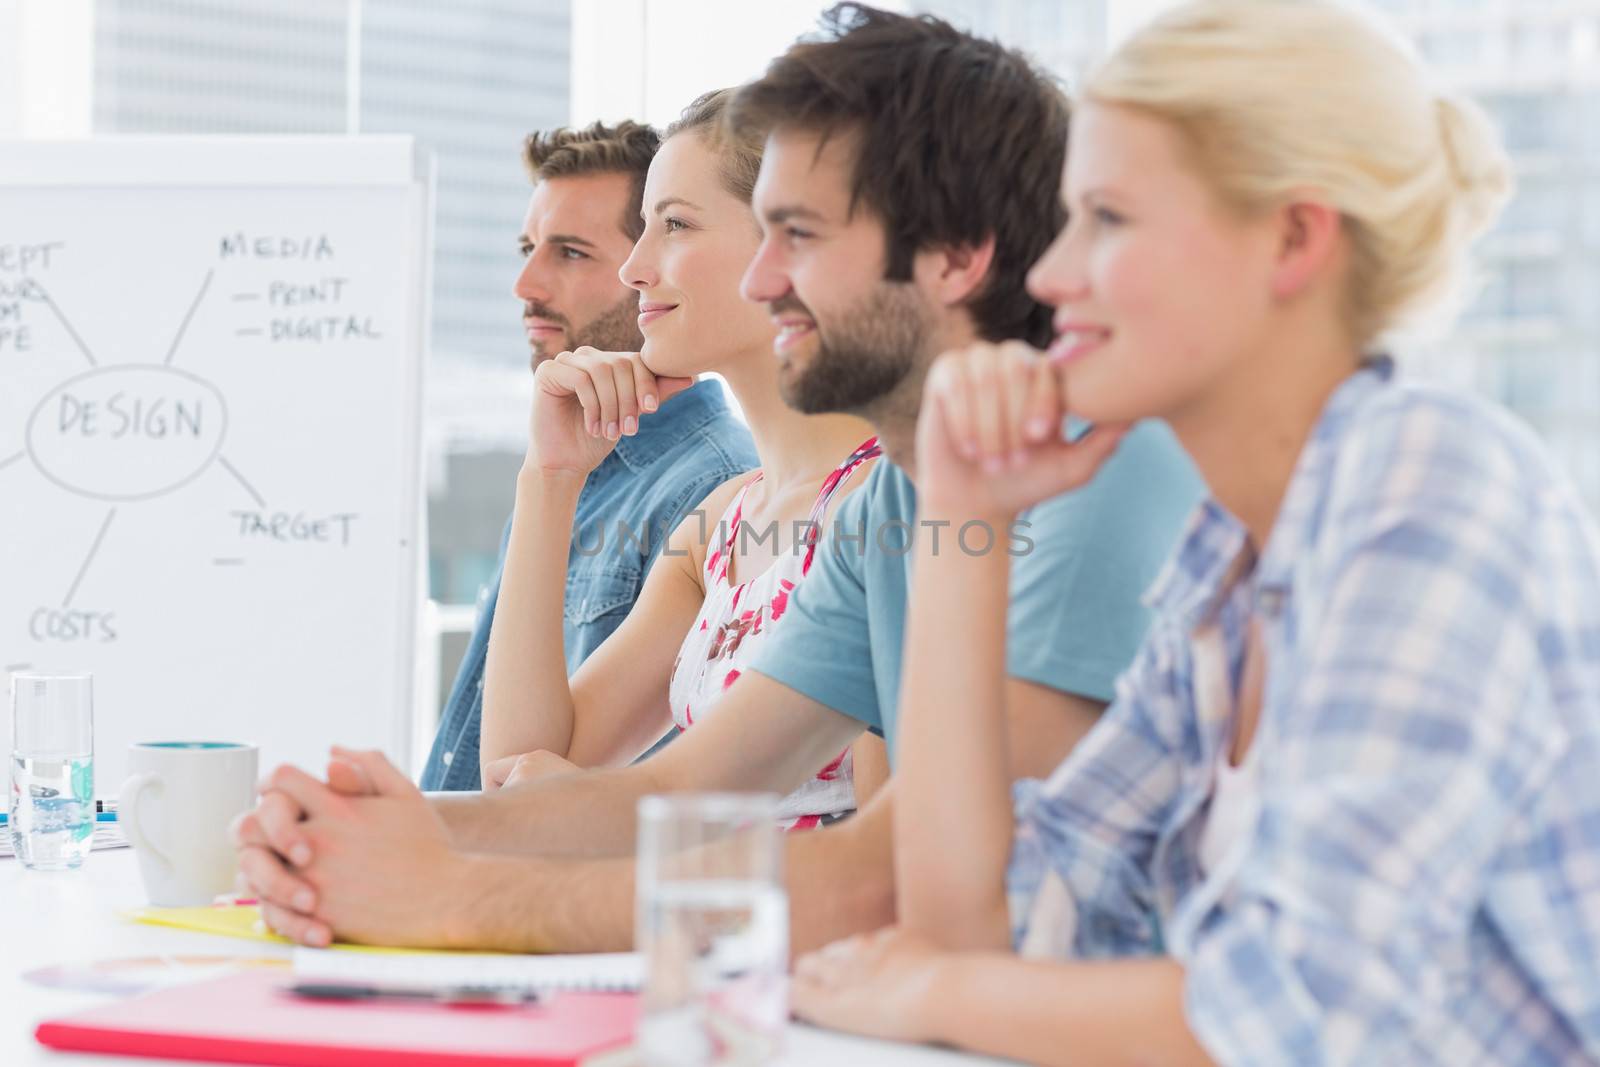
(211, 355)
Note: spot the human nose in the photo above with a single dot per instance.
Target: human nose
(765, 279)
(530, 283)
(1060, 275)
(638, 271)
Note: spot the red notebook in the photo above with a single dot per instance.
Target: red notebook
(248, 1018)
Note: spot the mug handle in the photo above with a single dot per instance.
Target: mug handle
(128, 815)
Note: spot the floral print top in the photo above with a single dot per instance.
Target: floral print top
(737, 619)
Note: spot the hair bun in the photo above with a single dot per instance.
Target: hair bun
(1479, 164)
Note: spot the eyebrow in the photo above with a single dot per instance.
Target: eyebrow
(1098, 192)
(793, 211)
(557, 239)
(673, 201)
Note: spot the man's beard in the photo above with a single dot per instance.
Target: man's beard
(614, 330)
(862, 356)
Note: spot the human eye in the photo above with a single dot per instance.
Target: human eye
(795, 234)
(568, 252)
(1106, 217)
(673, 224)
(525, 247)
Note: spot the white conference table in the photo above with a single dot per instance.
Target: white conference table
(69, 917)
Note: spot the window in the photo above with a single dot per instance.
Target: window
(1533, 289)
(1589, 215)
(1540, 45)
(1528, 123)
(1452, 48)
(1539, 207)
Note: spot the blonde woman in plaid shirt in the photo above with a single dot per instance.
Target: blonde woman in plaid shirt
(1346, 806)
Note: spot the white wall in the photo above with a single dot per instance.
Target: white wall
(46, 68)
(10, 74)
(1125, 16)
(646, 59)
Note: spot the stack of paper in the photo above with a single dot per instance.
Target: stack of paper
(619, 972)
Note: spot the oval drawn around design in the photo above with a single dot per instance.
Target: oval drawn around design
(128, 432)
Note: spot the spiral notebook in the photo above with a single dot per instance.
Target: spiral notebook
(619, 972)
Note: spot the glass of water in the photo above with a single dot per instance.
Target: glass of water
(713, 926)
(52, 769)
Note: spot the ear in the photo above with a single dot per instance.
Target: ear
(1310, 235)
(952, 273)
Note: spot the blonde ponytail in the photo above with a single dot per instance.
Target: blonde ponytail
(1279, 96)
(1477, 160)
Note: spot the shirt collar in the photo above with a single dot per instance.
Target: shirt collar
(1186, 585)
(1189, 584)
(680, 416)
(1301, 510)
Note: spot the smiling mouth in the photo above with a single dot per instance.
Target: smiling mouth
(1073, 344)
(791, 334)
(649, 313)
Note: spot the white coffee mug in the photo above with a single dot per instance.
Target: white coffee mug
(175, 811)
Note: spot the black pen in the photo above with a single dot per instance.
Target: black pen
(462, 995)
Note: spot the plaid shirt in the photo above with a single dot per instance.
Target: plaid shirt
(1422, 880)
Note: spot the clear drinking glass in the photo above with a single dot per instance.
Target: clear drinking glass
(713, 925)
(52, 769)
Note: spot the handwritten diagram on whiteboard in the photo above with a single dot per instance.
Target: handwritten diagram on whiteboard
(208, 435)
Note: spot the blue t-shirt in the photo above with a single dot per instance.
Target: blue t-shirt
(626, 510)
(1080, 564)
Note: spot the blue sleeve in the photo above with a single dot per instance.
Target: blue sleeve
(679, 487)
(1084, 559)
(825, 648)
(1079, 882)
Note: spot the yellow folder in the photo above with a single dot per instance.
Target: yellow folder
(240, 920)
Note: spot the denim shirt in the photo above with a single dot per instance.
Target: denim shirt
(1420, 880)
(628, 507)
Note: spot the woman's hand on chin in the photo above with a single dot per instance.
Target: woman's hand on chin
(989, 438)
(585, 401)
